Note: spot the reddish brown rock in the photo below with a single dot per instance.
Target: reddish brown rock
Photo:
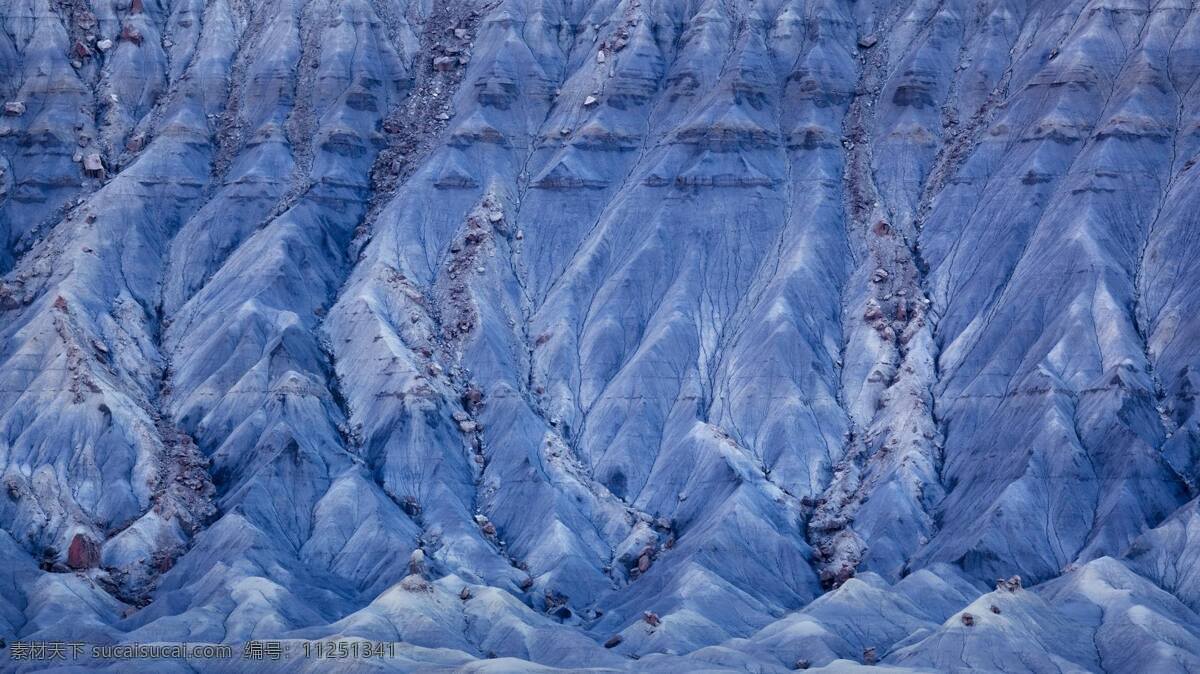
(472, 398)
(131, 34)
(84, 553)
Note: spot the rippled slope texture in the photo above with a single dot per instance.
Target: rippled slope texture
(654, 335)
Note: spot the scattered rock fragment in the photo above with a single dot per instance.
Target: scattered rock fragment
(556, 604)
(131, 34)
(832, 577)
(472, 398)
(1011, 585)
(416, 562)
(415, 583)
(93, 165)
(644, 561)
(14, 108)
(465, 593)
(869, 656)
(485, 525)
(590, 101)
(868, 41)
(968, 620)
(651, 618)
(104, 45)
(614, 641)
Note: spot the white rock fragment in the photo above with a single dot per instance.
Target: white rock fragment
(416, 562)
(93, 165)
